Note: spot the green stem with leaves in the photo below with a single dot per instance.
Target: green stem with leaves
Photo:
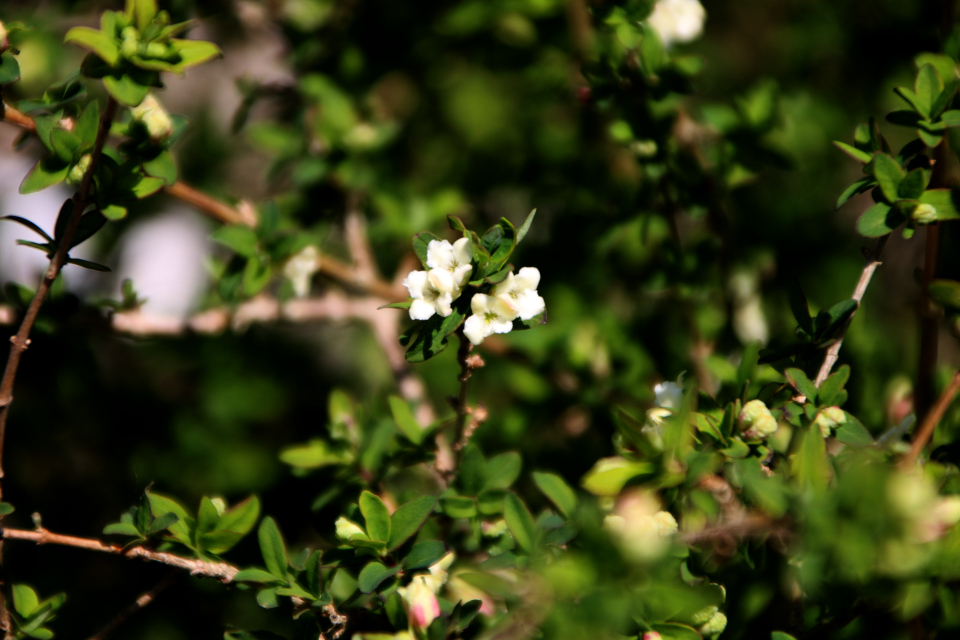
(21, 340)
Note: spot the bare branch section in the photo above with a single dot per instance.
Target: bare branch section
(930, 422)
(220, 570)
(833, 353)
(145, 599)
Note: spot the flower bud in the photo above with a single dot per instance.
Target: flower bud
(77, 171)
(130, 43)
(652, 635)
(347, 530)
(155, 50)
(154, 118)
(421, 601)
(715, 626)
(830, 418)
(924, 213)
(299, 269)
(3, 38)
(756, 421)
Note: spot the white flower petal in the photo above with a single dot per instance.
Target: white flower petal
(500, 326)
(443, 280)
(442, 304)
(530, 305)
(462, 251)
(473, 329)
(528, 278)
(421, 310)
(415, 283)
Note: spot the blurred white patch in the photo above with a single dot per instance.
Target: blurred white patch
(749, 321)
(165, 256)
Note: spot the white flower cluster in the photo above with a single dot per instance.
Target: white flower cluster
(448, 270)
(677, 20)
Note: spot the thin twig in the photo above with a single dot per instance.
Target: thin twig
(833, 353)
(210, 206)
(930, 422)
(220, 570)
(21, 340)
(18, 118)
(138, 604)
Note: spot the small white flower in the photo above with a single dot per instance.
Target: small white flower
(490, 315)
(452, 262)
(299, 269)
(428, 298)
(520, 292)
(677, 20)
(669, 395)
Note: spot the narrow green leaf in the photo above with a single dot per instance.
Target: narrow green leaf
(256, 275)
(47, 248)
(86, 264)
(860, 186)
(255, 575)
(558, 491)
(207, 517)
(272, 547)
(376, 515)
(122, 529)
(928, 87)
(90, 223)
(143, 13)
(408, 518)
(405, 420)
(853, 152)
(373, 574)
(525, 227)
(94, 41)
(182, 529)
(519, 522)
(403, 304)
(30, 225)
(161, 523)
(945, 201)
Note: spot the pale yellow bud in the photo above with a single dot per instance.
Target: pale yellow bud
(756, 421)
(154, 117)
(77, 171)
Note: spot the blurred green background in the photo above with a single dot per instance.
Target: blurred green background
(475, 108)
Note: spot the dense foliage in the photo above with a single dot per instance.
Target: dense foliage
(523, 319)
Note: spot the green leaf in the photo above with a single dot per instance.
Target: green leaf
(525, 227)
(48, 249)
(97, 42)
(421, 243)
(473, 471)
(853, 152)
(860, 186)
(241, 517)
(879, 220)
(799, 307)
(424, 554)
(6, 509)
(272, 547)
(87, 125)
(405, 420)
(905, 118)
(207, 517)
(675, 631)
(913, 100)
(853, 433)
(9, 68)
(163, 522)
(114, 212)
(87, 264)
(65, 144)
(408, 518)
(162, 166)
(181, 530)
(46, 173)
(396, 611)
(519, 522)
(781, 635)
(929, 139)
(889, 175)
(123, 529)
(144, 12)
(193, 53)
(799, 381)
(945, 201)
(25, 600)
(30, 225)
(499, 242)
(267, 598)
(403, 304)
(810, 465)
(237, 237)
(459, 506)
(831, 387)
(313, 455)
(256, 275)
(928, 87)
(373, 574)
(90, 223)
(558, 491)
(255, 575)
(125, 89)
(946, 293)
(608, 475)
(951, 118)
(502, 470)
(145, 186)
(914, 184)
(432, 337)
(376, 515)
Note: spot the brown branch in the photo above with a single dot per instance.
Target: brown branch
(145, 599)
(18, 118)
(220, 570)
(930, 422)
(21, 340)
(833, 353)
(212, 207)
